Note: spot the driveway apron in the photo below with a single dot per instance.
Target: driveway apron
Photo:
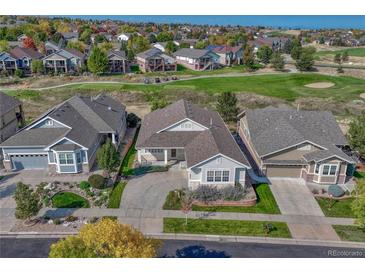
(294, 198)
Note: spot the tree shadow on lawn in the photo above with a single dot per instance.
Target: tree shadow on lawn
(198, 251)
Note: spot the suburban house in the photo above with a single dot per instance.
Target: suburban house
(275, 43)
(63, 61)
(160, 45)
(52, 47)
(124, 37)
(228, 55)
(194, 138)
(8, 63)
(11, 116)
(24, 57)
(70, 36)
(118, 62)
(155, 60)
(65, 139)
(197, 59)
(288, 143)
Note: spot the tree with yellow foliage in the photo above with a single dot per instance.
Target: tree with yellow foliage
(106, 239)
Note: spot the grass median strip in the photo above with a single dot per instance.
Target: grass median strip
(350, 233)
(116, 195)
(225, 227)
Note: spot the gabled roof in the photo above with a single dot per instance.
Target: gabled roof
(7, 103)
(4, 56)
(85, 117)
(223, 49)
(70, 35)
(149, 53)
(67, 54)
(199, 146)
(20, 52)
(119, 53)
(272, 130)
(192, 53)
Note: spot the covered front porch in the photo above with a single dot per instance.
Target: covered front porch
(160, 156)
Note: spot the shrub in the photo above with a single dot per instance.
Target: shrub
(93, 220)
(132, 120)
(84, 185)
(19, 73)
(71, 218)
(97, 181)
(233, 193)
(335, 191)
(207, 194)
(57, 221)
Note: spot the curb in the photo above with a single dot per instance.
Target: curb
(209, 238)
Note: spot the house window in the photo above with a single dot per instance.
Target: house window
(155, 150)
(329, 170)
(66, 158)
(218, 176)
(225, 175)
(210, 176)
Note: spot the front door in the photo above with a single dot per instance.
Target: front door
(173, 153)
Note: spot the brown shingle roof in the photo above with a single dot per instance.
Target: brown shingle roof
(19, 52)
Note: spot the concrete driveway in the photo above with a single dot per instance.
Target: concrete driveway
(144, 197)
(294, 198)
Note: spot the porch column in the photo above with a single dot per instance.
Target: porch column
(165, 156)
(113, 138)
(139, 156)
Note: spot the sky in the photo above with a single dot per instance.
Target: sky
(284, 21)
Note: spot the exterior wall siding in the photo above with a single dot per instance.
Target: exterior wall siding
(186, 125)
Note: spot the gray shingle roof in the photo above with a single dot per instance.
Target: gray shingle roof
(191, 53)
(199, 145)
(273, 129)
(86, 117)
(19, 53)
(7, 103)
(35, 137)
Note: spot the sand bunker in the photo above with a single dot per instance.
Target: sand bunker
(362, 95)
(320, 85)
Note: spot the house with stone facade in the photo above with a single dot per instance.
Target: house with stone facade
(304, 145)
(65, 138)
(194, 139)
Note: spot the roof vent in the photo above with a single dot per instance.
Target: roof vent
(109, 108)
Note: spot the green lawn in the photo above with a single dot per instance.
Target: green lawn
(350, 233)
(284, 86)
(359, 175)
(116, 195)
(224, 227)
(266, 203)
(358, 52)
(336, 208)
(69, 200)
(127, 163)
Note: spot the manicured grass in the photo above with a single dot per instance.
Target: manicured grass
(336, 208)
(25, 94)
(69, 200)
(224, 227)
(350, 233)
(116, 195)
(127, 163)
(266, 203)
(359, 52)
(284, 86)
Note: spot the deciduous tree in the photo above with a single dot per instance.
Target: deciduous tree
(106, 239)
(264, 54)
(358, 205)
(277, 61)
(4, 45)
(29, 43)
(248, 56)
(98, 61)
(356, 134)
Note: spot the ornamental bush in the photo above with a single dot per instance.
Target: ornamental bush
(335, 191)
(233, 193)
(97, 181)
(84, 185)
(207, 194)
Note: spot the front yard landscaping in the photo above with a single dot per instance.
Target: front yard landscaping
(69, 200)
(336, 208)
(350, 233)
(225, 227)
(265, 203)
(116, 195)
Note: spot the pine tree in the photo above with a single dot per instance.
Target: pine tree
(108, 157)
(227, 106)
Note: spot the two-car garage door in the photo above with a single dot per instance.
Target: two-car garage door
(283, 171)
(29, 161)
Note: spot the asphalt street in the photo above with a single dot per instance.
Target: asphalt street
(39, 248)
